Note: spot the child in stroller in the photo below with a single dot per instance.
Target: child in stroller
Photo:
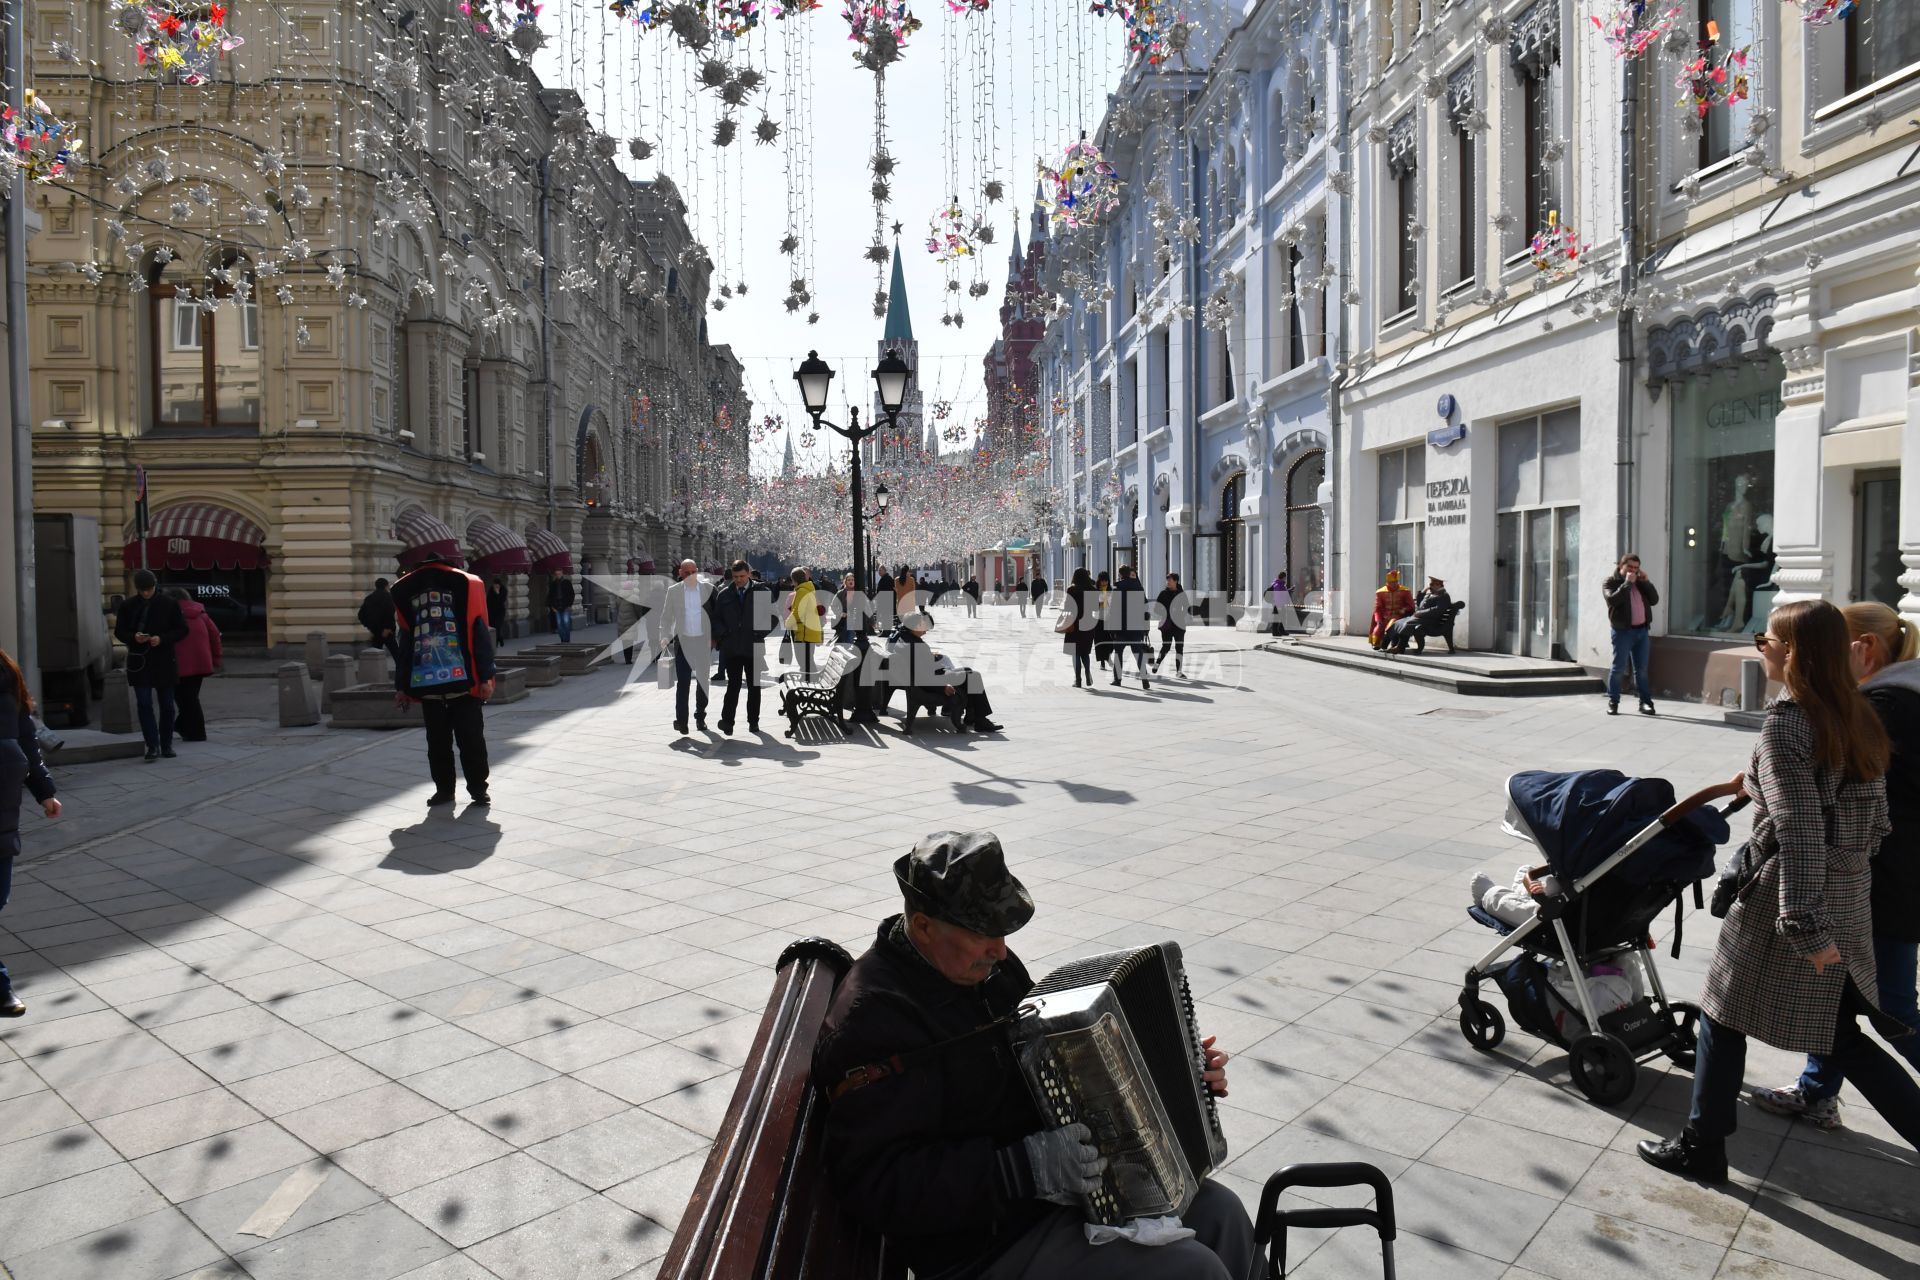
(1619, 851)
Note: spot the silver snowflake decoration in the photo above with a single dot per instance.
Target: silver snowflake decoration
(882, 164)
(993, 189)
(882, 191)
(180, 210)
(125, 186)
(160, 167)
(877, 252)
(789, 243)
(283, 295)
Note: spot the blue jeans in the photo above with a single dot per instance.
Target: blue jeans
(1720, 1069)
(159, 734)
(1895, 960)
(563, 623)
(6, 891)
(1630, 645)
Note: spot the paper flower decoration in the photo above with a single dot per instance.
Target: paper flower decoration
(500, 18)
(1821, 13)
(38, 142)
(949, 237)
(969, 6)
(1555, 249)
(1712, 77)
(1084, 189)
(176, 38)
(879, 29)
(1630, 27)
(1155, 30)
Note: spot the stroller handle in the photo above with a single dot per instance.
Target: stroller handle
(1706, 796)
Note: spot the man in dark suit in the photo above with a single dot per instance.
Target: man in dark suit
(742, 620)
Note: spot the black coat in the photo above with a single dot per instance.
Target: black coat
(1086, 626)
(21, 768)
(151, 666)
(930, 1157)
(560, 593)
(1619, 607)
(376, 612)
(1039, 588)
(1896, 868)
(1173, 611)
(1126, 621)
(741, 618)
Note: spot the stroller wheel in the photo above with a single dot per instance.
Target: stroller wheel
(1482, 1025)
(1686, 1021)
(1603, 1069)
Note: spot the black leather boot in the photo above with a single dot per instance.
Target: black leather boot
(1691, 1156)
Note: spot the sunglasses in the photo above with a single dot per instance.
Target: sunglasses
(1763, 639)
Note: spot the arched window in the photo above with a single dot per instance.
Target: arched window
(1233, 537)
(1306, 528)
(203, 345)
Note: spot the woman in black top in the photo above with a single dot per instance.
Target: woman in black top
(1173, 617)
(1086, 627)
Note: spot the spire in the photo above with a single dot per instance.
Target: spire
(786, 463)
(1039, 220)
(1014, 259)
(899, 323)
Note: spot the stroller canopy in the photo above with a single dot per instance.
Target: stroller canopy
(1581, 819)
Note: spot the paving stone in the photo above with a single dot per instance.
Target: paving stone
(617, 1149)
(375, 1243)
(35, 1113)
(413, 1157)
(591, 1239)
(77, 1206)
(417, 1051)
(531, 1115)
(155, 1246)
(476, 1079)
(483, 1201)
(585, 1045)
(1791, 1234)
(168, 1124)
(1579, 1244)
(212, 1164)
(278, 1204)
(308, 1083)
(652, 1072)
(243, 1059)
(32, 1162)
(341, 1122)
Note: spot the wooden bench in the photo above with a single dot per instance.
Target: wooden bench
(762, 1209)
(825, 693)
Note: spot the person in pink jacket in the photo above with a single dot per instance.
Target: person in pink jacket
(199, 657)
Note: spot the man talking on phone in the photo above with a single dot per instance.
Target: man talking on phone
(150, 625)
(443, 652)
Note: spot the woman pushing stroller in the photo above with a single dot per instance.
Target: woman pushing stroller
(1794, 964)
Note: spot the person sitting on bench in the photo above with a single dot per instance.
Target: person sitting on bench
(1433, 615)
(932, 1137)
(930, 679)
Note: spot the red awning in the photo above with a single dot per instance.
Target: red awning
(550, 555)
(200, 535)
(496, 549)
(424, 538)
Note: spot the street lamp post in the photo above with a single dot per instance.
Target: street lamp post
(890, 376)
(880, 500)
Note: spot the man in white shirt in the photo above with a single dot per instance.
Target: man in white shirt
(688, 627)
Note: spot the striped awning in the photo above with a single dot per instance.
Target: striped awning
(200, 535)
(496, 548)
(423, 538)
(550, 555)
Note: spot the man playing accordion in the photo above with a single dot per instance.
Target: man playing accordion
(933, 1137)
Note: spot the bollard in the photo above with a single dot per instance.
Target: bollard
(336, 674)
(1753, 684)
(373, 668)
(316, 653)
(116, 704)
(298, 705)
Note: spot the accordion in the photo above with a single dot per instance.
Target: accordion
(1110, 1042)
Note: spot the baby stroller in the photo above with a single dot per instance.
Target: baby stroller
(1619, 851)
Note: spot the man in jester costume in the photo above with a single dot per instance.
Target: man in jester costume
(1390, 603)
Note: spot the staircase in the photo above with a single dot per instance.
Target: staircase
(1483, 675)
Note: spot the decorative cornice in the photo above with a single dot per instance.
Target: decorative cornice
(1403, 145)
(1534, 46)
(1463, 91)
(1717, 338)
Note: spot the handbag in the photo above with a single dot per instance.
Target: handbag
(1064, 624)
(1740, 874)
(786, 648)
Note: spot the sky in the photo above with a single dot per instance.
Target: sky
(1033, 75)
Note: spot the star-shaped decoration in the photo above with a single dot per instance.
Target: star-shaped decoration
(897, 228)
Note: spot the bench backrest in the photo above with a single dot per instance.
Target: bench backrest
(762, 1209)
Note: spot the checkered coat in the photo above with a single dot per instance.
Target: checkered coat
(1812, 891)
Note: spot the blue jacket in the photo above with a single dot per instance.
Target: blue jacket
(21, 769)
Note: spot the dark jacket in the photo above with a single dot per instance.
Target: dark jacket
(1895, 695)
(1039, 588)
(1619, 607)
(20, 768)
(442, 642)
(973, 589)
(931, 1156)
(1126, 621)
(560, 593)
(1173, 610)
(151, 666)
(376, 612)
(1086, 627)
(742, 618)
(497, 603)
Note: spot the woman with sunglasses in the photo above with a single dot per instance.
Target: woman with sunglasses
(1795, 953)
(1886, 660)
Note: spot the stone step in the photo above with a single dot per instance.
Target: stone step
(575, 659)
(541, 669)
(1569, 680)
(371, 706)
(1488, 666)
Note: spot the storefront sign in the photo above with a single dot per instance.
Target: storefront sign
(1447, 501)
(1441, 437)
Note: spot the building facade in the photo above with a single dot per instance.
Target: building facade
(334, 324)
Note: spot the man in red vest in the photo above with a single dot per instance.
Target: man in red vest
(443, 651)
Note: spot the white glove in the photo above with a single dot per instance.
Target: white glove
(1066, 1165)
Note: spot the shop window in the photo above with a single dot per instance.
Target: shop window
(203, 345)
(1876, 556)
(1537, 536)
(1403, 177)
(1306, 556)
(1402, 511)
(1881, 39)
(1233, 538)
(1721, 502)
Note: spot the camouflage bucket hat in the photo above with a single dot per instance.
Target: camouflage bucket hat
(961, 877)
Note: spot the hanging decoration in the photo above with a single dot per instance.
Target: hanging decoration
(1084, 189)
(1155, 30)
(879, 29)
(1631, 27)
(176, 38)
(1713, 77)
(1555, 249)
(1821, 13)
(950, 236)
(39, 143)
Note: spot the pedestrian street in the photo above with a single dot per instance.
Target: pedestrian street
(303, 1027)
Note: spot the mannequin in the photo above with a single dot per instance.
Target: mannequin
(1751, 575)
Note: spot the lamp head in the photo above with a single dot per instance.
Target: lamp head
(891, 376)
(881, 496)
(814, 375)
